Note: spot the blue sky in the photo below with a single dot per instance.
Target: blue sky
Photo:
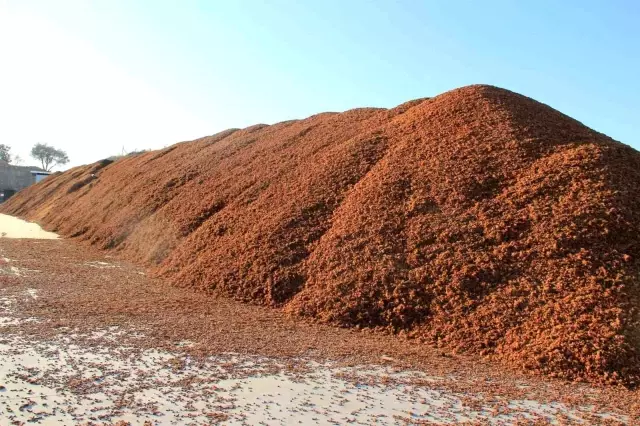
(145, 74)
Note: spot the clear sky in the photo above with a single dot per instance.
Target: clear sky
(94, 77)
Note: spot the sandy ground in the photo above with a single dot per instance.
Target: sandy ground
(87, 339)
(12, 227)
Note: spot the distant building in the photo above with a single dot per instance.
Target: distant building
(14, 178)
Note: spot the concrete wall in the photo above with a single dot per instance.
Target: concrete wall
(16, 177)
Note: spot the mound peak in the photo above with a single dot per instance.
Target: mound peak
(478, 220)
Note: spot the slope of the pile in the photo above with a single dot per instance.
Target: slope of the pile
(478, 220)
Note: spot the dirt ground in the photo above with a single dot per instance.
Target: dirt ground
(86, 338)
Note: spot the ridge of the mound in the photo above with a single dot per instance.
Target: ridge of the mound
(478, 220)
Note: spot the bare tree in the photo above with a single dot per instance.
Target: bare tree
(48, 156)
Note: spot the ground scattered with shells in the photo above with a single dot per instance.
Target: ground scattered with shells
(88, 339)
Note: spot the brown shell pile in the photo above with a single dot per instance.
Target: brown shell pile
(479, 220)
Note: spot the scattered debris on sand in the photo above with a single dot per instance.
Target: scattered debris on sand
(152, 356)
(479, 221)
